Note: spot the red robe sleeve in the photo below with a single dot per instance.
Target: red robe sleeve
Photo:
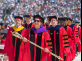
(79, 44)
(47, 38)
(22, 47)
(24, 33)
(70, 36)
(27, 55)
(80, 32)
(47, 45)
(7, 44)
(65, 41)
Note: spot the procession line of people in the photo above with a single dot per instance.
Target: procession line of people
(58, 36)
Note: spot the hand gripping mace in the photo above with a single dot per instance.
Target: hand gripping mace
(21, 37)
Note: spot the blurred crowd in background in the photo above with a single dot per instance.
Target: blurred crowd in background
(60, 8)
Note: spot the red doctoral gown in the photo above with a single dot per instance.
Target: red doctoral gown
(14, 47)
(60, 42)
(76, 40)
(40, 38)
(71, 40)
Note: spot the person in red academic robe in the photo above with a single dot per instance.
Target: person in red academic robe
(73, 44)
(80, 38)
(59, 40)
(39, 36)
(63, 22)
(78, 46)
(80, 31)
(46, 25)
(14, 47)
(76, 38)
(28, 23)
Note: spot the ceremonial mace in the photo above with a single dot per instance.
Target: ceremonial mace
(21, 37)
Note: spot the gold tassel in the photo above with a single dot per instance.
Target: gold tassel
(66, 22)
(44, 21)
(72, 22)
(30, 16)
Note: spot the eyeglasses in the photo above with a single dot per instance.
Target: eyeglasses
(37, 21)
